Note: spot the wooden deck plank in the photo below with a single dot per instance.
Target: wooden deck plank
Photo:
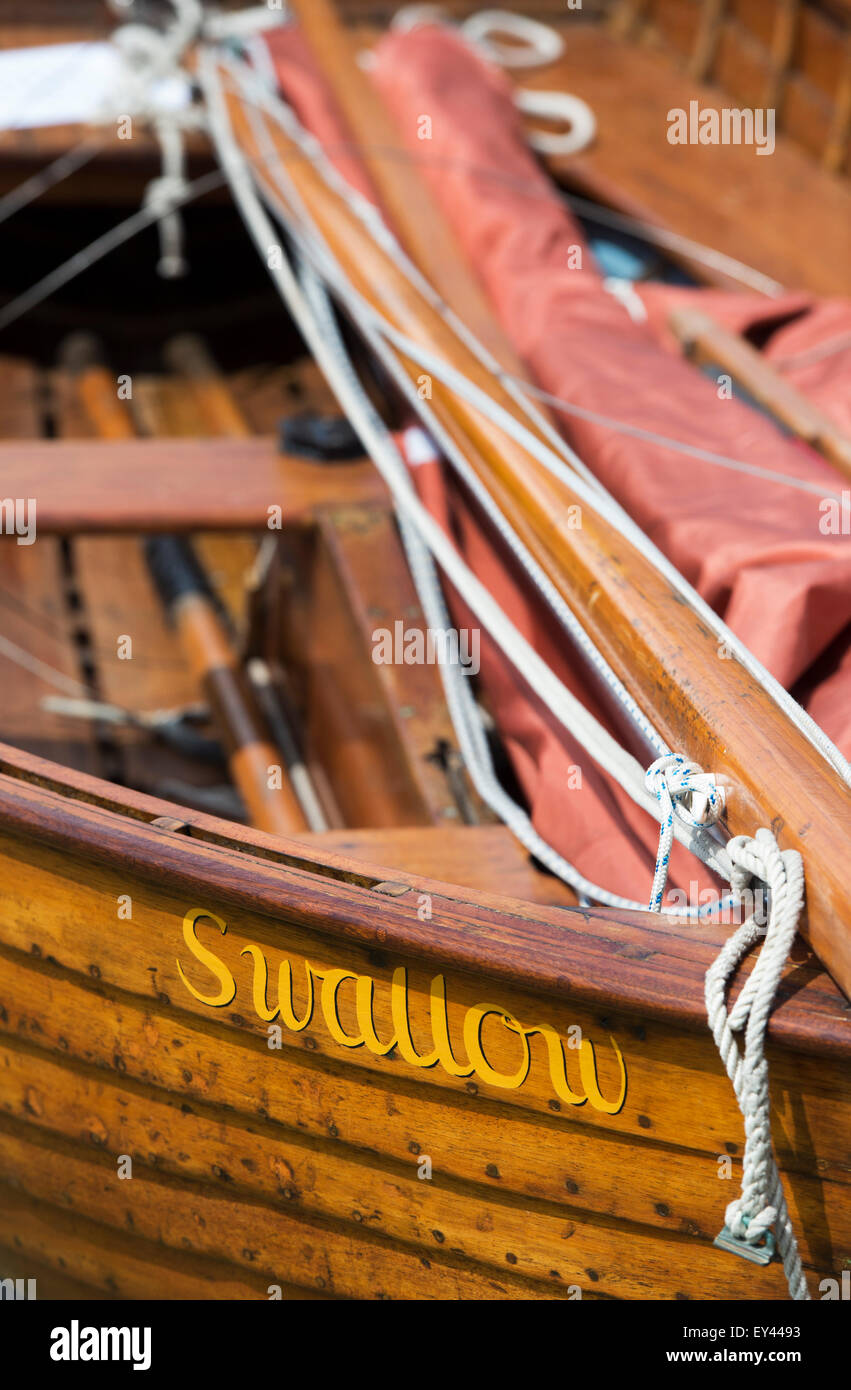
(280, 1243)
(34, 614)
(770, 212)
(474, 856)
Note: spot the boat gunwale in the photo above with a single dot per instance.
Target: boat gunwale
(634, 963)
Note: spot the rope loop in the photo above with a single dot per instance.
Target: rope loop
(536, 43)
(759, 1213)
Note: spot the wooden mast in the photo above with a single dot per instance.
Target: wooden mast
(703, 705)
(403, 194)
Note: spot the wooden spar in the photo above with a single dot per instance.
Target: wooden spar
(251, 752)
(706, 341)
(406, 199)
(658, 646)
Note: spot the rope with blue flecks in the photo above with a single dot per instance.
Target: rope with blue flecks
(682, 789)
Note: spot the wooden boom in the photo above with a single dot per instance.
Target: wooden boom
(706, 341)
(710, 708)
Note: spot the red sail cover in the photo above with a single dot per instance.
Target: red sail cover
(771, 560)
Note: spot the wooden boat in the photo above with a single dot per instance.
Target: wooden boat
(392, 1057)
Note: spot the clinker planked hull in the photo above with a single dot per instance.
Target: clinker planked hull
(231, 1038)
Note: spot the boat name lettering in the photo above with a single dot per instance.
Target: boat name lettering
(323, 988)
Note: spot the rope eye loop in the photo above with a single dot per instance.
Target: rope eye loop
(685, 790)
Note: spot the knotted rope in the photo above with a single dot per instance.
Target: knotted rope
(150, 57)
(165, 194)
(684, 790)
(759, 1216)
(761, 1207)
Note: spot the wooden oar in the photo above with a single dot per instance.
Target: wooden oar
(252, 756)
(185, 592)
(97, 388)
(707, 342)
(188, 358)
(702, 704)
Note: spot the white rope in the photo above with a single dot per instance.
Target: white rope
(254, 92)
(152, 56)
(677, 446)
(458, 461)
(462, 706)
(53, 173)
(564, 706)
(535, 43)
(164, 195)
(99, 248)
(759, 1215)
(683, 790)
(576, 115)
(672, 778)
(673, 241)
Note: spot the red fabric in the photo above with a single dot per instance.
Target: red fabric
(754, 550)
(314, 103)
(808, 341)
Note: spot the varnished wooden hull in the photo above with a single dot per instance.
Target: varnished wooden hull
(323, 1168)
(164, 1132)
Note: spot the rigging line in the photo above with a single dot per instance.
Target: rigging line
(675, 445)
(53, 173)
(561, 611)
(101, 247)
(40, 668)
(646, 231)
(605, 502)
(464, 712)
(373, 220)
(516, 386)
(610, 510)
(602, 747)
(675, 241)
(519, 389)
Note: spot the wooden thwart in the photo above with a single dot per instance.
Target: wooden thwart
(175, 484)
